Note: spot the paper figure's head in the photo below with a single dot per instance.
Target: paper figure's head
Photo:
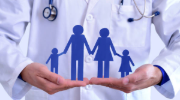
(104, 32)
(55, 51)
(125, 52)
(78, 30)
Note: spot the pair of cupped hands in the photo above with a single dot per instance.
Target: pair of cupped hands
(39, 76)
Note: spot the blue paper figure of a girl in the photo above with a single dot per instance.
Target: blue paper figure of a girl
(54, 60)
(77, 42)
(125, 63)
(104, 44)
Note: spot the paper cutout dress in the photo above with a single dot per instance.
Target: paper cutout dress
(104, 45)
(77, 42)
(125, 64)
(54, 60)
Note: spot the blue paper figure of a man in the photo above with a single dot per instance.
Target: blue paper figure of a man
(54, 60)
(125, 64)
(104, 45)
(77, 42)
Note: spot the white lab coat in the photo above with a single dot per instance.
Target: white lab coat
(93, 15)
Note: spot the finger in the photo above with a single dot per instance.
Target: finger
(108, 82)
(132, 82)
(99, 81)
(52, 88)
(47, 85)
(71, 84)
(133, 78)
(113, 83)
(105, 81)
(143, 84)
(136, 86)
(53, 77)
(86, 81)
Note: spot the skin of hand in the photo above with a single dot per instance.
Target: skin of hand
(39, 76)
(145, 76)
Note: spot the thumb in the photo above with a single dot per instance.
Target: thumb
(53, 77)
(132, 78)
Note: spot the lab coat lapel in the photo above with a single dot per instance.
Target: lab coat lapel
(91, 4)
(87, 1)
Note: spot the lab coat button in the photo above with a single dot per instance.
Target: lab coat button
(89, 17)
(88, 87)
(89, 59)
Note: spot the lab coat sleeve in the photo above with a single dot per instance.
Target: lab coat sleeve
(14, 17)
(167, 25)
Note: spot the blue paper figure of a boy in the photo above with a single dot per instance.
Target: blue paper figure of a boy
(125, 64)
(77, 42)
(54, 60)
(104, 45)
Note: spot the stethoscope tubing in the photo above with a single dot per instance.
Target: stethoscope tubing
(144, 8)
(50, 2)
(140, 11)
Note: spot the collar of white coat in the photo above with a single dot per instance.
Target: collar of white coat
(87, 1)
(91, 4)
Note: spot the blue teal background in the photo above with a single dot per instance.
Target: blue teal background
(156, 44)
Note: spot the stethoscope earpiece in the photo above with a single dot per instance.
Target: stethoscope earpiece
(130, 19)
(50, 12)
(157, 13)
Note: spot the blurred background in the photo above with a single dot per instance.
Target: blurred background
(156, 46)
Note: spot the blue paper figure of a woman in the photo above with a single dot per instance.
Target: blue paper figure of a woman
(77, 42)
(125, 64)
(54, 60)
(104, 44)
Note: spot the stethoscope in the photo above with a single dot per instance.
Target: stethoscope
(142, 14)
(51, 12)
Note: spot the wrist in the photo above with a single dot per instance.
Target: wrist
(24, 72)
(158, 75)
(20, 77)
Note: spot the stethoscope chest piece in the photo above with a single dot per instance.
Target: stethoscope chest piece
(50, 12)
(47, 12)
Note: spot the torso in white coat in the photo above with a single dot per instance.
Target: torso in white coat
(93, 15)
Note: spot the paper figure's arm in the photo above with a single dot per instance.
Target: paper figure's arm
(112, 47)
(118, 55)
(131, 61)
(61, 54)
(48, 59)
(87, 45)
(96, 45)
(68, 44)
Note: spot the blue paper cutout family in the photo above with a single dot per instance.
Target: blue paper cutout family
(103, 45)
